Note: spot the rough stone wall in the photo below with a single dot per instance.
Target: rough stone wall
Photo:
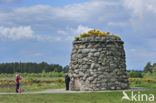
(98, 63)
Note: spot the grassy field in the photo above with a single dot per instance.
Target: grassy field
(93, 97)
(40, 84)
(32, 84)
(34, 87)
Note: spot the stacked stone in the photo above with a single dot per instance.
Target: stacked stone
(98, 63)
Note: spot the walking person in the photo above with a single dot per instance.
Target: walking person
(17, 82)
(67, 80)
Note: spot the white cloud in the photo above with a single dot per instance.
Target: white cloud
(78, 13)
(74, 31)
(16, 33)
(24, 32)
(67, 20)
(81, 29)
(94, 13)
(151, 8)
(71, 33)
(142, 15)
(121, 24)
(137, 6)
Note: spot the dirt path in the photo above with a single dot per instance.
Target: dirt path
(64, 91)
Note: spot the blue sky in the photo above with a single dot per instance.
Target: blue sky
(43, 30)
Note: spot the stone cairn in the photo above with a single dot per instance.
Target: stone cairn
(97, 64)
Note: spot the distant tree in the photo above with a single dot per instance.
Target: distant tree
(58, 68)
(154, 69)
(29, 67)
(66, 69)
(148, 67)
(135, 74)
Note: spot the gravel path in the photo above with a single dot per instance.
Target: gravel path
(64, 91)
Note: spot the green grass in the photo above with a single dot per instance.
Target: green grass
(34, 84)
(43, 74)
(146, 85)
(34, 87)
(93, 97)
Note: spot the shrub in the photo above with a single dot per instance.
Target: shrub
(77, 38)
(138, 81)
(131, 79)
(44, 74)
(61, 80)
(148, 80)
(134, 74)
(95, 33)
(147, 75)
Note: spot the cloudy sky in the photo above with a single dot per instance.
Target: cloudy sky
(43, 30)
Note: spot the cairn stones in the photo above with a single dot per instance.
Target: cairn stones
(97, 64)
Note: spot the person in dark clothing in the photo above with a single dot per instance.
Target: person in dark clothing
(67, 80)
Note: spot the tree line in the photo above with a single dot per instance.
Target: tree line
(31, 67)
(149, 70)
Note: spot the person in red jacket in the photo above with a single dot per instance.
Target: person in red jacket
(17, 82)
